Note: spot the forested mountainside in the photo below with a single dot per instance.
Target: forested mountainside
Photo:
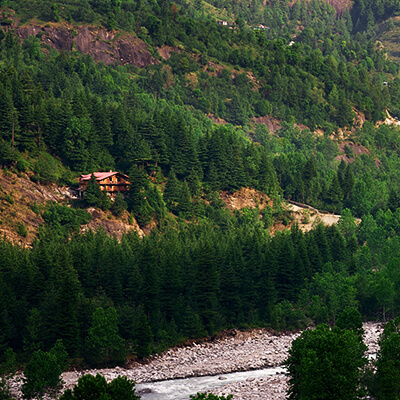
(98, 117)
(317, 72)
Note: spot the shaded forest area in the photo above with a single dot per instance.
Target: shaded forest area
(108, 300)
(190, 280)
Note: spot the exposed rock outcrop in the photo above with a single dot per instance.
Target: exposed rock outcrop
(113, 227)
(103, 45)
(166, 51)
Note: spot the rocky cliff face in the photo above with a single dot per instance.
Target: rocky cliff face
(101, 44)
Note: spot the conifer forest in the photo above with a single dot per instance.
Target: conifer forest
(296, 100)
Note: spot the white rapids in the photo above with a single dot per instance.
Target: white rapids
(181, 389)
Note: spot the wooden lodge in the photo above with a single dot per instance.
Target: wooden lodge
(111, 182)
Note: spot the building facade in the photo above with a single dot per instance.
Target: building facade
(111, 182)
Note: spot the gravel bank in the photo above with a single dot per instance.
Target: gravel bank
(274, 388)
(244, 351)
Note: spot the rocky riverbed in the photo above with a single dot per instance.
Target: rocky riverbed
(240, 351)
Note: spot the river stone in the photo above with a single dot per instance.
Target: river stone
(244, 351)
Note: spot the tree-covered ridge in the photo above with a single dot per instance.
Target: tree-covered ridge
(98, 117)
(294, 81)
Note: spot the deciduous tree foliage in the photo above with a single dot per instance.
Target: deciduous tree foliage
(388, 362)
(42, 375)
(90, 387)
(325, 363)
(210, 396)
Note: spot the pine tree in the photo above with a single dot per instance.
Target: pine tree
(237, 114)
(267, 181)
(212, 178)
(237, 177)
(137, 189)
(6, 155)
(156, 202)
(93, 192)
(314, 255)
(33, 339)
(309, 173)
(75, 146)
(155, 138)
(172, 191)
(207, 284)
(348, 186)
(119, 205)
(287, 272)
(194, 183)
(394, 200)
(184, 199)
(99, 115)
(322, 243)
(229, 298)
(184, 149)
(22, 118)
(387, 363)
(193, 327)
(104, 346)
(344, 113)
(143, 335)
(334, 195)
(6, 112)
(42, 375)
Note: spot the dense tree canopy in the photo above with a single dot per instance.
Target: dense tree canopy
(203, 268)
(326, 364)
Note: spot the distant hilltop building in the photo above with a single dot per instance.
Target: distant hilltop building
(260, 27)
(111, 182)
(230, 25)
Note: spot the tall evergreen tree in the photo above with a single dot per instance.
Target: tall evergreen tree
(334, 195)
(6, 113)
(104, 346)
(172, 191)
(207, 284)
(143, 335)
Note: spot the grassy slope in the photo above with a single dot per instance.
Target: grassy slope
(389, 36)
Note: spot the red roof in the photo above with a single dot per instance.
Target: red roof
(101, 175)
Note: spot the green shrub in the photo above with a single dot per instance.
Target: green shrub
(210, 396)
(21, 229)
(96, 387)
(42, 376)
(65, 219)
(22, 165)
(35, 208)
(46, 169)
(119, 205)
(7, 198)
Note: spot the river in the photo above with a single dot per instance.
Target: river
(181, 389)
(171, 375)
